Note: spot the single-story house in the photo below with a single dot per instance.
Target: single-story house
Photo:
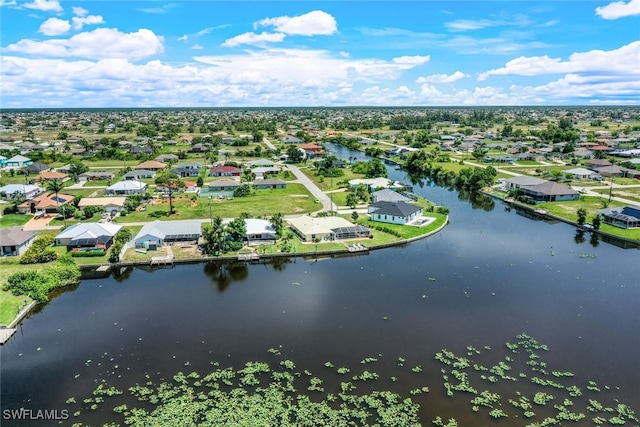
(10, 191)
(225, 171)
(581, 173)
(45, 202)
(110, 204)
(388, 195)
(152, 165)
(394, 212)
(15, 241)
(184, 171)
(521, 181)
(259, 231)
(127, 187)
(549, 192)
(3, 161)
(96, 176)
(138, 174)
(269, 183)
(372, 183)
(198, 148)
(328, 228)
(265, 170)
(595, 164)
(224, 185)
(158, 233)
(613, 171)
(87, 236)
(164, 158)
(52, 176)
(261, 163)
(36, 168)
(18, 161)
(625, 217)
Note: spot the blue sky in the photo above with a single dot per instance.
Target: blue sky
(318, 53)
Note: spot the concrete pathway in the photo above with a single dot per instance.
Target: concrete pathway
(268, 143)
(327, 205)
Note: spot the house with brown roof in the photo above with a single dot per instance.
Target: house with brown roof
(152, 165)
(45, 202)
(225, 171)
(549, 192)
(52, 176)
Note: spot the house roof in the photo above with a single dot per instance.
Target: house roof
(400, 209)
(151, 164)
(258, 226)
(18, 158)
(268, 182)
(15, 236)
(524, 180)
(37, 167)
(48, 200)
(102, 201)
(137, 172)
(163, 229)
(261, 162)
(88, 230)
(127, 185)
(551, 189)
(111, 174)
(388, 195)
(372, 182)
(225, 183)
(226, 169)
(18, 188)
(53, 175)
(580, 171)
(308, 225)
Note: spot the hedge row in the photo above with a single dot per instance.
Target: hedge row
(39, 252)
(38, 284)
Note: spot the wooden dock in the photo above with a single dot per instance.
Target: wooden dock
(5, 334)
(162, 260)
(249, 256)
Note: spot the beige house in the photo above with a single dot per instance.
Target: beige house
(110, 204)
(329, 228)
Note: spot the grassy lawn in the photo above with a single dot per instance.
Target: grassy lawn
(625, 193)
(407, 231)
(295, 199)
(569, 209)
(85, 192)
(9, 303)
(11, 220)
(326, 184)
(94, 164)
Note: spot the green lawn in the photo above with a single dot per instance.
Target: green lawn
(326, 184)
(625, 193)
(407, 231)
(11, 220)
(295, 199)
(9, 304)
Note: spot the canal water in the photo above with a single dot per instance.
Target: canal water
(488, 276)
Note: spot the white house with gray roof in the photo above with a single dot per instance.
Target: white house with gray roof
(521, 181)
(15, 241)
(394, 212)
(159, 233)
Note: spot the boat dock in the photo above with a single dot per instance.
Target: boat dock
(5, 334)
(162, 260)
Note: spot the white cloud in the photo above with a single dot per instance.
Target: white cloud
(468, 24)
(8, 3)
(313, 23)
(54, 27)
(80, 21)
(97, 44)
(44, 5)
(79, 11)
(183, 38)
(442, 78)
(619, 9)
(621, 61)
(502, 20)
(197, 47)
(254, 39)
(160, 9)
(411, 60)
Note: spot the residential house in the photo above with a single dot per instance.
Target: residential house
(127, 187)
(96, 176)
(159, 233)
(138, 174)
(225, 171)
(259, 231)
(198, 148)
(11, 191)
(36, 168)
(269, 183)
(387, 195)
(186, 170)
(625, 217)
(261, 163)
(594, 164)
(45, 203)
(167, 158)
(223, 185)
(581, 173)
(141, 149)
(3, 161)
(549, 192)
(88, 236)
(394, 212)
(110, 204)
(312, 150)
(613, 171)
(372, 184)
(18, 161)
(516, 182)
(265, 170)
(15, 241)
(52, 176)
(152, 165)
(316, 229)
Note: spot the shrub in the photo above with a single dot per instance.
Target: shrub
(39, 253)
(37, 284)
(82, 254)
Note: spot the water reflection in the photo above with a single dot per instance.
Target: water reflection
(224, 273)
(579, 237)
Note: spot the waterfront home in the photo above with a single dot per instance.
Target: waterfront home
(520, 181)
(269, 183)
(110, 204)
(387, 195)
(152, 165)
(394, 212)
(581, 173)
(158, 233)
(126, 187)
(259, 231)
(138, 174)
(45, 203)
(312, 150)
(225, 171)
(88, 236)
(18, 161)
(625, 217)
(316, 229)
(15, 241)
(11, 191)
(96, 176)
(549, 192)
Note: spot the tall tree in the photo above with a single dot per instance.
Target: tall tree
(55, 187)
(171, 182)
(277, 222)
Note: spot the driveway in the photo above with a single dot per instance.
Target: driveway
(313, 188)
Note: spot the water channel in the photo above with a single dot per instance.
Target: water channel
(488, 276)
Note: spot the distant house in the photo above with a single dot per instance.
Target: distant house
(269, 183)
(164, 158)
(45, 202)
(110, 204)
(52, 176)
(595, 164)
(185, 170)
(394, 212)
(521, 181)
(264, 170)
(11, 191)
(14, 241)
(88, 236)
(549, 192)
(159, 233)
(152, 165)
(613, 171)
(259, 231)
(329, 228)
(96, 176)
(36, 168)
(372, 184)
(225, 171)
(261, 163)
(198, 148)
(141, 149)
(3, 161)
(138, 174)
(581, 173)
(126, 187)
(223, 185)
(312, 150)
(17, 162)
(626, 217)
(387, 195)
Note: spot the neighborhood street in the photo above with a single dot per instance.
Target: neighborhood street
(313, 189)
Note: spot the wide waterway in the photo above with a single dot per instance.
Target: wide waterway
(488, 276)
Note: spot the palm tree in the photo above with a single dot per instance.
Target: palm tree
(55, 186)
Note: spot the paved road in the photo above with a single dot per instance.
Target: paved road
(268, 143)
(313, 189)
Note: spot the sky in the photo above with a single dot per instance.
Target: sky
(202, 53)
